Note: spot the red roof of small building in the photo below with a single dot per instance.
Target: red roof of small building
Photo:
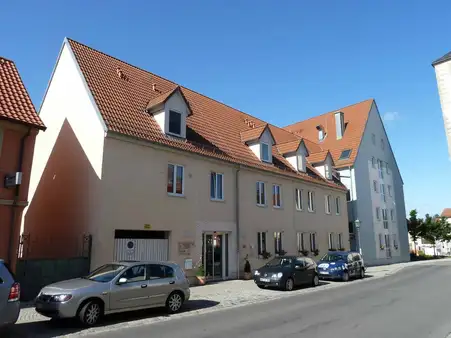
(15, 103)
(446, 213)
(213, 129)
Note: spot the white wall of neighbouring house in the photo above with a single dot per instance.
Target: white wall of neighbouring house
(67, 165)
(367, 201)
(443, 75)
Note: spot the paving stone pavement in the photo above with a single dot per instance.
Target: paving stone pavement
(211, 297)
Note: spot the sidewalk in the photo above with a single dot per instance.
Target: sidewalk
(238, 292)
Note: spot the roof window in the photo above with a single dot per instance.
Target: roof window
(345, 154)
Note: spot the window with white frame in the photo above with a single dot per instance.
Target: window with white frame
(387, 241)
(298, 199)
(348, 195)
(382, 144)
(373, 139)
(313, 243)
(278, 243)
(383, 192)
(332, 243)
(328, 171)
(321, 133)
(276, 196)
(337, 205)
(327, 203)
(340, 241)
(302, 239)
(261, 238)
(385, 218)
(264, 152)
(395, 242)
(216, 186)
(378, 213)
(311, 201)
(373, 162)
(380, 168)
(175, 179)
(392, 214)
(389, 190)
(261, 194)
(175, 122)
(381, 242)
(387, 169)
(375, 186)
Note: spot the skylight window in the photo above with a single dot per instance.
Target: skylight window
(345, 154)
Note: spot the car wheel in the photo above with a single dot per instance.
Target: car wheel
(362, 273)
(289, 284)
(315, 281)
(90, 313)
(174, 302)
(345, 276)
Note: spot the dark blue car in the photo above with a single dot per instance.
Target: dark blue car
(341, 265)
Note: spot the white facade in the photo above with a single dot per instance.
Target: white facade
(443, 75)
(380, 241)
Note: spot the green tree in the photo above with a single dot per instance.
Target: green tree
(415, 227)
(435, 229)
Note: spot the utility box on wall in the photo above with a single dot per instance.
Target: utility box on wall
(13, 180)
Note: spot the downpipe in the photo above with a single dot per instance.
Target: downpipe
(16, 197)
(237, 220)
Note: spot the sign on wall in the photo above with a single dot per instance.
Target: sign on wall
(184, 247)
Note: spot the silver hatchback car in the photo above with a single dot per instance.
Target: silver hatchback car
(116, 287)
(9, 296)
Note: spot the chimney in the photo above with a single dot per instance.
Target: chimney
(154, 87)
(339, 124)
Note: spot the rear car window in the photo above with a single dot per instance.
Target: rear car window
(6, 269)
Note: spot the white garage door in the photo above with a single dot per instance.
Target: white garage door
(141, 249)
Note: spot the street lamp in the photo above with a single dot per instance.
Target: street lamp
(357, 227)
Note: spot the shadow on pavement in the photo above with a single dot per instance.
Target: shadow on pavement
(321, 283)
(56, 328)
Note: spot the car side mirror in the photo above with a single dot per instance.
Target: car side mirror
(122, 281)
(298, 267)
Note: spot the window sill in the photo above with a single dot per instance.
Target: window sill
(262, 205)
(328, 213)
(337, 214)
(277, 207)
(174, 134)
(312, 211)
(299, 210)
(171, 194)
(217, 200)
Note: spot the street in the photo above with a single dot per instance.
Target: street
(404, 300)
(412, 303)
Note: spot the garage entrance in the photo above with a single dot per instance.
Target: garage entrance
(141, 245)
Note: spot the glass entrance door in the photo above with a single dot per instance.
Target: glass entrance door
(215, 254)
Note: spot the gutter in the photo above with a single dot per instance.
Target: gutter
(17, 193)
(237, 220)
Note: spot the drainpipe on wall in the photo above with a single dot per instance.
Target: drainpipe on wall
(237, 219)
(16, 197)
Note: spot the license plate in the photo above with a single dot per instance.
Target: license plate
(324, 272)
(266, 280)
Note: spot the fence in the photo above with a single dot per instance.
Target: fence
(35, 273)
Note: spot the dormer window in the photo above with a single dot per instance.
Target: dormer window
(301, 162)
(328, 171)
(321, 133)
(345, 154)
(170, 111)
(175, 122)
(260, 141)
(265, 152)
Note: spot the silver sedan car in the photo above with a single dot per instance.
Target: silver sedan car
(9, 296)
(116, 287)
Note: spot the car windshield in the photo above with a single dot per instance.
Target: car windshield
(332, 258)
(105, 273)
(280, 262)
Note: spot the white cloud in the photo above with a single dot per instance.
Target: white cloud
(391, 116)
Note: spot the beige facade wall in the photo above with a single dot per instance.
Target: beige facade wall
(134, 182)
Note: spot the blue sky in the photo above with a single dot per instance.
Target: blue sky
(282, 61)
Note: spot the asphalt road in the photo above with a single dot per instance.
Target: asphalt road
(412, 303)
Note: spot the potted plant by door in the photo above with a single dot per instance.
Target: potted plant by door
(200, 275)
(247, 269)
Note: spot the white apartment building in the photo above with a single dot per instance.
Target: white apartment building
(359, 150)
(442, 68)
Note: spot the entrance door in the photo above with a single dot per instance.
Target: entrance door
(215, 255)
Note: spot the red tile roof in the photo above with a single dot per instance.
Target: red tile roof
(288, 147)
(318, 157)
(214, 129)
(446, 213)
(164, 97)
(15, 103)
(355, 117)
(253, 134)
